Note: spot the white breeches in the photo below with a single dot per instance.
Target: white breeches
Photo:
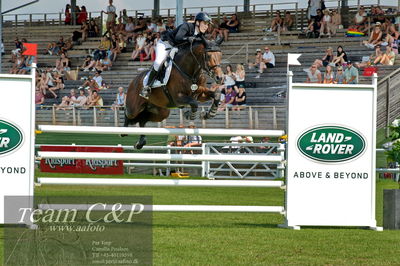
(161, 53)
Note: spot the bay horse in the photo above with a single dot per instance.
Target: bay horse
(185, 88)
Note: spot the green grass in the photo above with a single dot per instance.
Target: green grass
(238, 238)
(246, 238)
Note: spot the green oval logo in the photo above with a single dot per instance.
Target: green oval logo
(10, 137)
(331, 144)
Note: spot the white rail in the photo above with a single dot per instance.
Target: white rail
(160, 131)
(171, 208)
(161, 157)
(158, 182)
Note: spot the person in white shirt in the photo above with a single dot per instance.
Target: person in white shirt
(98, 78)
(110, 16)
(268, 61)
(326, 23)
(140, 43)
(81, 100)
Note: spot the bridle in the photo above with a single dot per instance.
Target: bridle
(200, 67)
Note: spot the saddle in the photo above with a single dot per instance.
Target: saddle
(165, 70)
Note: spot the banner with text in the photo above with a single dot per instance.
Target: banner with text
(88, 166)
(331, 155)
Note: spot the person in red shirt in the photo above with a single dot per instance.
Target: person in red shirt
(68, 15)
(82, 17)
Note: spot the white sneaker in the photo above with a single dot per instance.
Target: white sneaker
(86, 70)
(257, 77)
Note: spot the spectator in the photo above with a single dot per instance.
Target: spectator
(313, 6)
(240, 98)
(388, 40)
(121, 44)
(93, 29)
(329, 76)
(387, 58)
(18, 49)
(230, 95)
(39, 98)
(312, 30)
(233, 25)
(67, 46)
(120, 99)
(360, 19)
(82, 33)
(160, 27)
(110, 16)
(391, 29)
(19, 64)
(325, 24)
(239, 75)
(181, 139)
(129, 28)
(370, 60)
(350, 74)
(170, 25)
(103, 48)
(67, 14)
(288, 21)
(140, 43)
(89, 84)
(88, 64)
(229, 78)
(326, 60)
(375, 38)
(222, 27)
(80, 101)
(98, 78)
(82, 16)
(151, 26)
(95, 99)
(336, 22)
(104, 64)
(268, 61)
(28, 65)
(114, 51)
(341, 56)
(64, 105)
(339, 77)
(314, 75)
(124, 17)
(148, 47)
(276, 22)
(63, 63)
(141, 26)
(257, 59)
(55, 47)
(195, 140)
(72, 96)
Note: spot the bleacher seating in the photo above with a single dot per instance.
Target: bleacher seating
(269, 90)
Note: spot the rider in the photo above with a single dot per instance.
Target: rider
(186, 32)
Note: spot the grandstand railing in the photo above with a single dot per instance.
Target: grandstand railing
(35, 19)
(388, 100)
(253, 117)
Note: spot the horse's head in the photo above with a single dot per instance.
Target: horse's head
(214, 58)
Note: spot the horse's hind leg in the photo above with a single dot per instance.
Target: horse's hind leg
(142, 139)
(194, 106)
(126, 124)
(214, 106)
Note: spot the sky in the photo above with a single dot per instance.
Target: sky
(54, 6)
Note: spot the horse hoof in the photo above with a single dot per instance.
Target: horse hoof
(123, 135)
(139, 145)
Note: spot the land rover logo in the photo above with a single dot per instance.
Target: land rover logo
(331, 144)
(10, 137)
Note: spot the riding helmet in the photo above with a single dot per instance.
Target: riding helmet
(203, 16)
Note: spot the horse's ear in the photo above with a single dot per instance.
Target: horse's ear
(219, 40)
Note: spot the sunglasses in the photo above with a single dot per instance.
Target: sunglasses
(266, 49)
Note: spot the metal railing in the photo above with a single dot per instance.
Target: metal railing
(253, 117)
(58, 18)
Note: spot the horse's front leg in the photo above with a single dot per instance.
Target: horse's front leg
(194, 106)
(216, 97)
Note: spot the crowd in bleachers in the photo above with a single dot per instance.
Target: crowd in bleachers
(142, 34)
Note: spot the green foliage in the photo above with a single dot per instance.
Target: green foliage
(393, 155)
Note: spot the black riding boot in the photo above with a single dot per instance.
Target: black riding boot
(145, 93)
